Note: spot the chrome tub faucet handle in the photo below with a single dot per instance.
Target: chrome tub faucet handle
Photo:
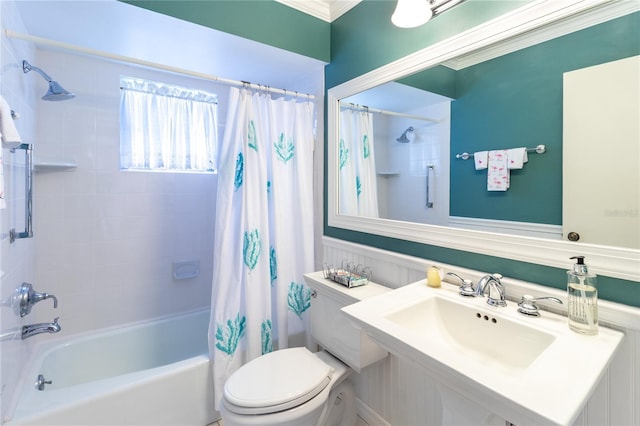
(26, 297)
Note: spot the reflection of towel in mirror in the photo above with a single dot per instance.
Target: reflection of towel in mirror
(497, 171)
(480, 159)
(517, 157)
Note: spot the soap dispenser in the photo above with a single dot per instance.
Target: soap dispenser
(582, 298)
(434, 276)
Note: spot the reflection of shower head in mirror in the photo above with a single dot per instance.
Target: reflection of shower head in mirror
(404, 138)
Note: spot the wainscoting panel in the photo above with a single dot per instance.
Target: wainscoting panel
(397, 392)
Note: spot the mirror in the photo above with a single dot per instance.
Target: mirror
(526, 27)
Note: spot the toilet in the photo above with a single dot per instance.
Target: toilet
(298, 387)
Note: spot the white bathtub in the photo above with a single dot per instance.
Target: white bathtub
(151, 373)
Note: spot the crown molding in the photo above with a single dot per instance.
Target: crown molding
(327, 10)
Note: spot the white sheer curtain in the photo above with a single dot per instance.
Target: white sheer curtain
(166, 127)
(357, 165)
(263, 233)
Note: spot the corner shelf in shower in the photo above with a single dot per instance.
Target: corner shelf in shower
(46, 164)
(388, 173)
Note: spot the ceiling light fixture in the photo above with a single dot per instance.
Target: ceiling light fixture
(413, 13)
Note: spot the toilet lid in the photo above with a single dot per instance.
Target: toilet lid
(276, 381)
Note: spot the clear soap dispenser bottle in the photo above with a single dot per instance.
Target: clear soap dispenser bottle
(582, 296)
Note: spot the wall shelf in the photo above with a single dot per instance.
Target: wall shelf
(388, 173)
(52, 164)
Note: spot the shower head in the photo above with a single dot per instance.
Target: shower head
(55, 92)
(403, 138)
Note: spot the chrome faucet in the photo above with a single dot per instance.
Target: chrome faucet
(26, 297)
(496, 296)
(43, 327)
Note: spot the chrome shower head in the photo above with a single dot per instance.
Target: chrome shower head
(56, 92)
(403, 138)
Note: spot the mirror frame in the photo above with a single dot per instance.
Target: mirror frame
(557, 17)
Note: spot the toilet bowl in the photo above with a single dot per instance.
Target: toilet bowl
(290, 387)
(298, 387)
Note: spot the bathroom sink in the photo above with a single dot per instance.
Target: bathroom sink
(517, 367)
(477, 333)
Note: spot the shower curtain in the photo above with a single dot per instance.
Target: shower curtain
(263, 231)
(357, 165)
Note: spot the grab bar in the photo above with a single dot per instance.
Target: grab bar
(28, 189)
(430, 168)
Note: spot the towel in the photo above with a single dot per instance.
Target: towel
(8, 132)
(497, 171)
(480, 159)
(517, 157)
(10, 139)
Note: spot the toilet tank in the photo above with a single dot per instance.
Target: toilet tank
(331, 328)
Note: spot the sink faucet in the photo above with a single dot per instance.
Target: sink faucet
(44, 327)
(496, 296)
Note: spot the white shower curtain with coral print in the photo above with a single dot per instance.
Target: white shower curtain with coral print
(357, 165)
(263, 231)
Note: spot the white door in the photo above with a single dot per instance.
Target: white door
(601, 154)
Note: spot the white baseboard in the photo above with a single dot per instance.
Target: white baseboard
(368, 415)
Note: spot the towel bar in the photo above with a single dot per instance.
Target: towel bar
(540, 149)
(28, 189)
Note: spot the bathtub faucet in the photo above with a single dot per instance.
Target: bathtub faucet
(44, 327)
(26, 297)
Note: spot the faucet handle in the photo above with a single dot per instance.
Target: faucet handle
(26, 297)
(527, 305)
(466, 286)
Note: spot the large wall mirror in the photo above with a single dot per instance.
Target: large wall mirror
(509, 86)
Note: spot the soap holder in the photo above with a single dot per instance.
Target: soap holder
(186, 270)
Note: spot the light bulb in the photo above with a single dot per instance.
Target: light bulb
(411, 13)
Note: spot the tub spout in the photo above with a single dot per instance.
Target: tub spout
(44, 327)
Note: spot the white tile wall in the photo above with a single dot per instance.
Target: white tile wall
(105, 238)
(403, 394)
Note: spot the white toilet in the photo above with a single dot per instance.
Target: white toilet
(298, 387)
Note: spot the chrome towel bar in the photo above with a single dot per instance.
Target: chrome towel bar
(540, 149)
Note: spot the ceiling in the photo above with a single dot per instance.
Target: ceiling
(122, 29)
(327, 10)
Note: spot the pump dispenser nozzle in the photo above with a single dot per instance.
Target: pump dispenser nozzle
(579, 267)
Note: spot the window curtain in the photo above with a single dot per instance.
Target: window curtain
(263, 232)
(357, 165)
(167, 127)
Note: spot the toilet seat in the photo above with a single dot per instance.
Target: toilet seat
(276, 381)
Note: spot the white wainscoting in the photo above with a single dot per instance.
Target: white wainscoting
(396, 392)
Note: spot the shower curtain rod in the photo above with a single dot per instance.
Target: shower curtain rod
(349, 105)
(128, 59)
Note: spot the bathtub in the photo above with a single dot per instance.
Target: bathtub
(151, 373)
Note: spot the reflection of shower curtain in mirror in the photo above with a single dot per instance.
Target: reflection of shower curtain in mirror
(357, 180)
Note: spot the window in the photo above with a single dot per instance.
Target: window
(167, 128)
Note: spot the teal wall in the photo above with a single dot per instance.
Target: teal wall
(364, 39)
(264, 21)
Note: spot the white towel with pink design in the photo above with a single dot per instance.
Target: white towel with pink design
(497, 170)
